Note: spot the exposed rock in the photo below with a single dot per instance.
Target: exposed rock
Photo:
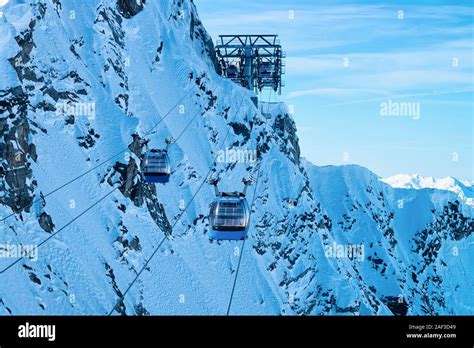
(15, 150)
(120, 308)
(46, 222)
(140, 310)
(397, 305)
(129, 8)
(197, 30)
(286, 129)
(34, 278)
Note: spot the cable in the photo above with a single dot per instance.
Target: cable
(250, 215)
(107, 160)
(97, 202)
(61, 229)
(243, 244)
(75, 179)
(100, 164)
(164, 117)
(195, 115)
(177, 219)
(121, 299)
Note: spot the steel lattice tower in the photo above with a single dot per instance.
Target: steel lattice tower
(254, 61)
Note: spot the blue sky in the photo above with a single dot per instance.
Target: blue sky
(423, 55)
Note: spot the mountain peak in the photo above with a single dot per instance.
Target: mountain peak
(462, 188)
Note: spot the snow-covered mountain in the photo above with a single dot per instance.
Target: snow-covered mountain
(419, 241)
(463, 188)
(87, 88)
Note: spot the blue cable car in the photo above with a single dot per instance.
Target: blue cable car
(157, 167)
(232, 72)
(229, 215)
(266, 70)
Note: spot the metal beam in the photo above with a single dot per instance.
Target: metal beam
(256, 60)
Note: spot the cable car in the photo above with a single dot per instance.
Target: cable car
(157, 168)
(266, 69)
(232, 72)
(229, 215)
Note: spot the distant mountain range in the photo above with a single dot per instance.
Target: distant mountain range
(463, 188)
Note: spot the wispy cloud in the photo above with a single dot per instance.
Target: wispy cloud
(426, 56)
(468, 91)
(449, 65)
(335, 92)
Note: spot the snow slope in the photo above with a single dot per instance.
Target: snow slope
(420, 241)
(139, 73)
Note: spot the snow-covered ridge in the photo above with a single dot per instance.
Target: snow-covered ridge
(463, 188)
